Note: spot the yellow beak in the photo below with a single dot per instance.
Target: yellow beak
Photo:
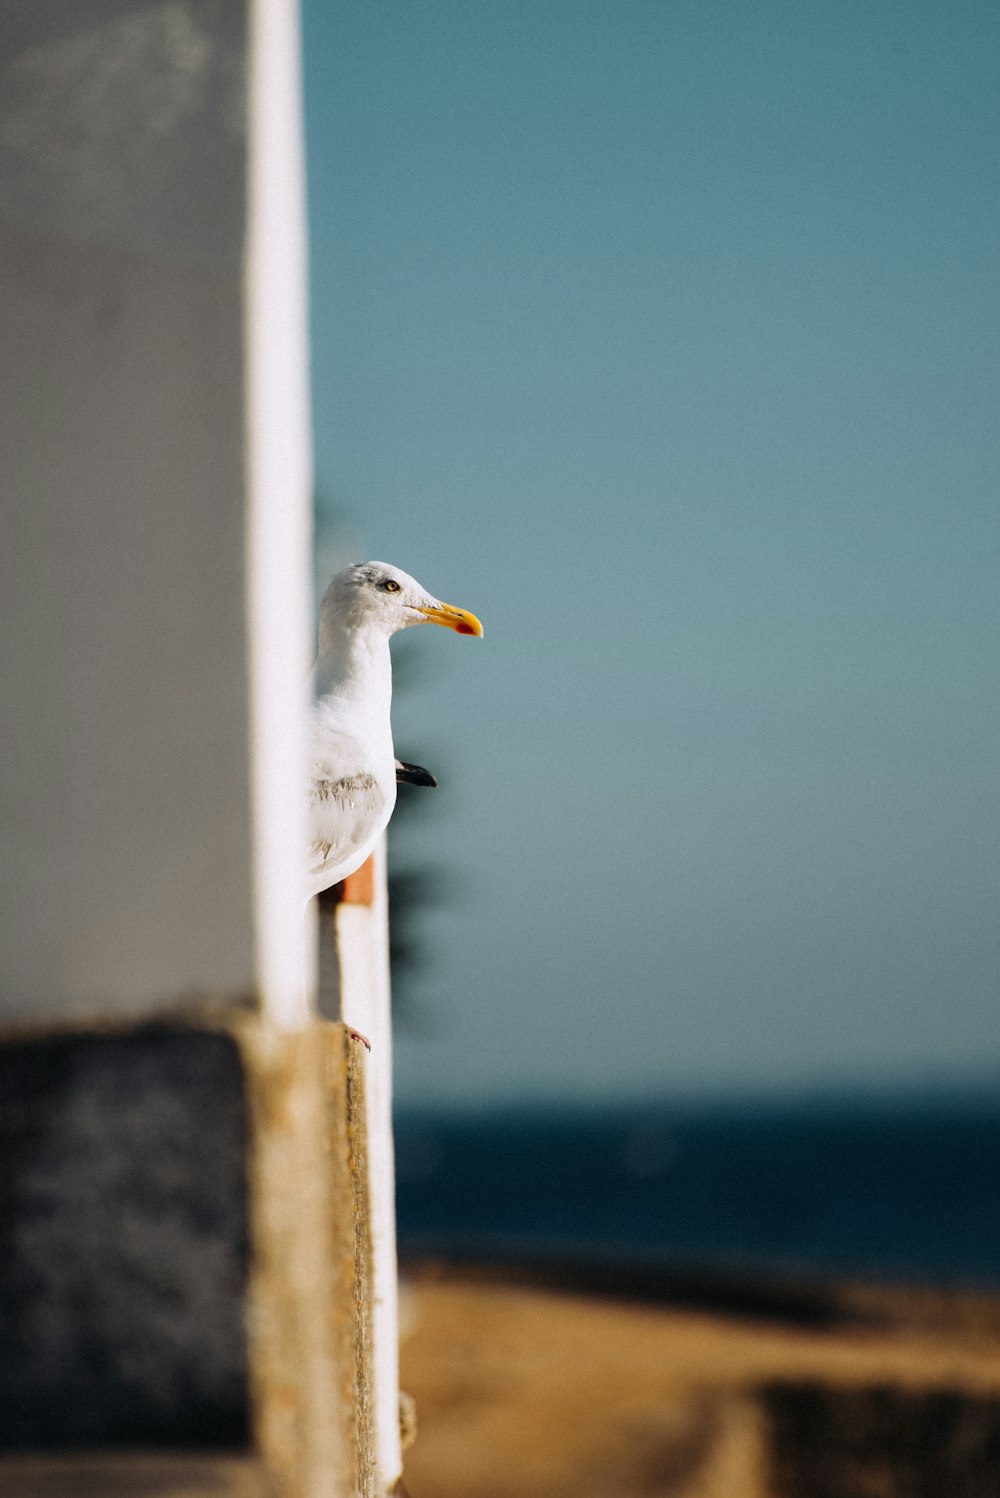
(460, 620)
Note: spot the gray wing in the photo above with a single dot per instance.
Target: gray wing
(344, 814)
(348, 791)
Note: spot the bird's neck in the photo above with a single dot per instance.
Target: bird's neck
(354, 666)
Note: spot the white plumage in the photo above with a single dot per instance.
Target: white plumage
(352, 770)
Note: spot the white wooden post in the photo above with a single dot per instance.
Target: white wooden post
(362, 942)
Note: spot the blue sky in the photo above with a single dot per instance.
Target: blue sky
(665, 337)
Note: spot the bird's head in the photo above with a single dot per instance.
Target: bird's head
(375, 595)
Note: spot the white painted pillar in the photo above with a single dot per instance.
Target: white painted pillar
(279, 508)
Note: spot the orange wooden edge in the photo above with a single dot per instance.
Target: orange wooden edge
(359, 888)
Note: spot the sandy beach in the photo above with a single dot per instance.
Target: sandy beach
(525, 1388)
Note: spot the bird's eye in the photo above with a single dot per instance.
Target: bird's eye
(390, 585)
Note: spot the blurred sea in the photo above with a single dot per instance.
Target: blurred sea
(906, 1189)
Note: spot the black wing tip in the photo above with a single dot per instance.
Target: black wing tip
(413, 775)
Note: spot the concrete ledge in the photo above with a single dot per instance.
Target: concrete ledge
(310, 1300)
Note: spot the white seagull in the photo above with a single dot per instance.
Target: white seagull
(352, 766)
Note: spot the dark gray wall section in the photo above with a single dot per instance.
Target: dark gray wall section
(123, 1241)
